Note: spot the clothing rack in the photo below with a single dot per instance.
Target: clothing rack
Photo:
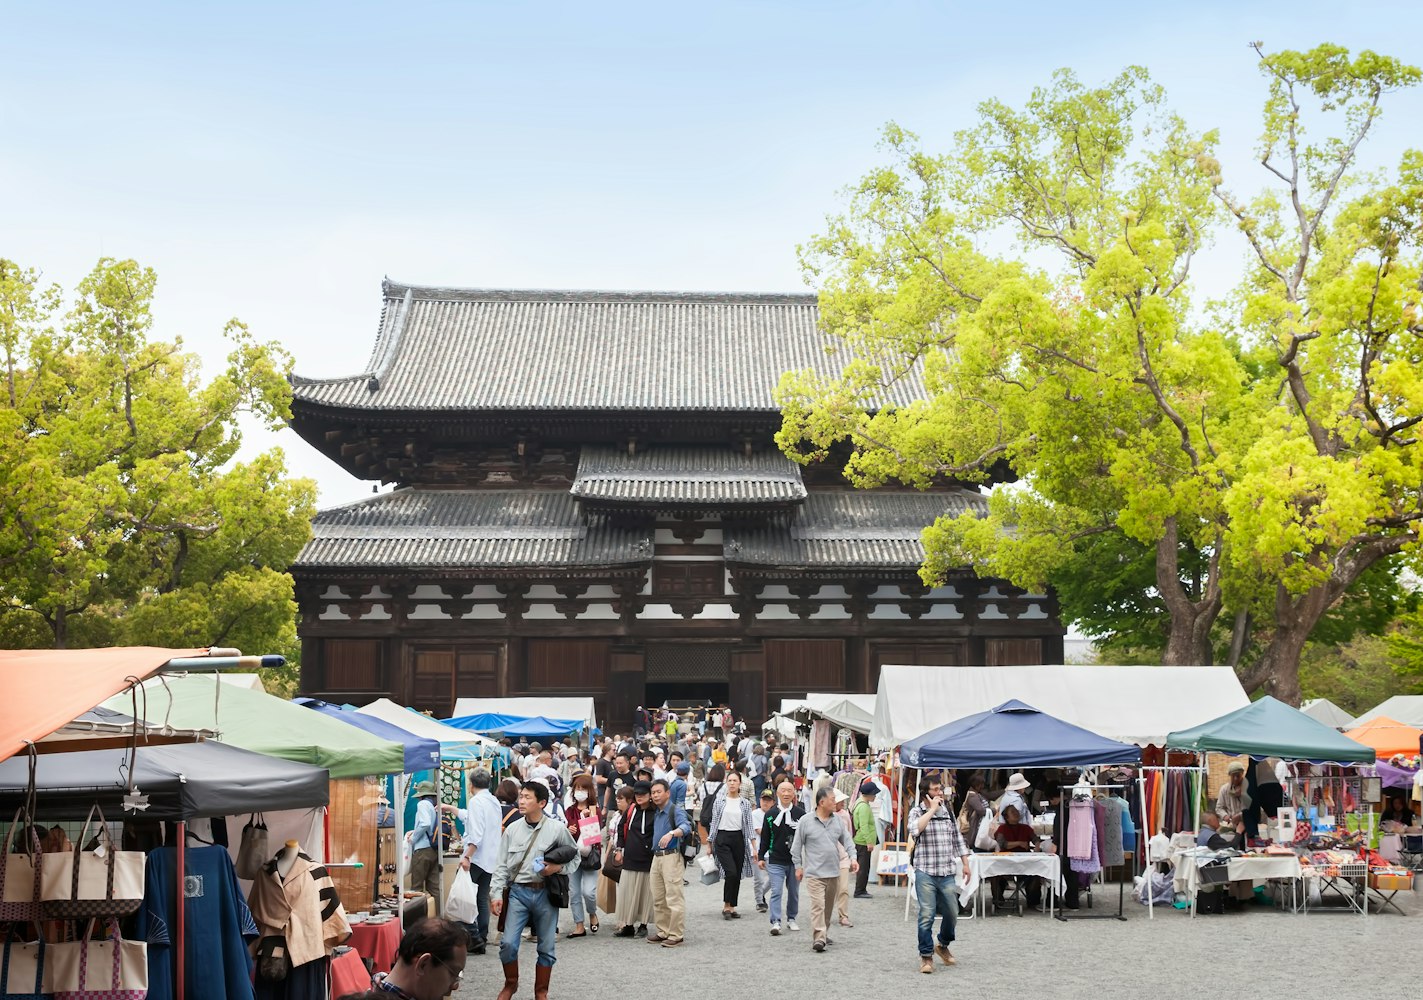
(1067, 872)
(1144, 834)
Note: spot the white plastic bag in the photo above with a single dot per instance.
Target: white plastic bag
(985, 841)
(462, 903)
(710, 874)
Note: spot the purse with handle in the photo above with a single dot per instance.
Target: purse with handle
(22, 969)
(252, 853)
(106, 969)
(20, 873)
(104, 882)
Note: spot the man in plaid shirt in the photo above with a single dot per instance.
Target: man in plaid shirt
(937, 846)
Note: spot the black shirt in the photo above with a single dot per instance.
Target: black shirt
(637, 839)
(776, 838)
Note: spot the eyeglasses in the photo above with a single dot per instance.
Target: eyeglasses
(457, 973)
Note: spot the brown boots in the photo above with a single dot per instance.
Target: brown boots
(541, 977)
(511, 981)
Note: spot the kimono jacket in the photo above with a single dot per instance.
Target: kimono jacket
(304, 908)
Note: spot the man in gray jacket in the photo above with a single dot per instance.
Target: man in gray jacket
(522, 868)
(816, 854)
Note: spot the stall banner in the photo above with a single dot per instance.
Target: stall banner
(22, 969)
(20, 875)
(98, 883)
(110, 969)
(892, 862)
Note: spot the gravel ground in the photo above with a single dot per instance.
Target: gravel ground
(1256, 953)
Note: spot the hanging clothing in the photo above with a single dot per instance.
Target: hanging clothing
(304, 908)
(1081, 833)
(819, 743)
(1113, 852)
(217, 928)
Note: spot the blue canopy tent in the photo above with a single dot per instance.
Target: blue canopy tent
(1014, 735)
(420, 754)
(526, 727)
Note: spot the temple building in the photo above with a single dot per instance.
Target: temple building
(588, 501)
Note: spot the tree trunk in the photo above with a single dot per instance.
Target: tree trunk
(60, 625)
(1277, 670)
(1188, 638)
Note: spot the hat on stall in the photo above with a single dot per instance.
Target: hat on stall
(425, 788)
(869, 788)
(1016, 782)
(1236, 767)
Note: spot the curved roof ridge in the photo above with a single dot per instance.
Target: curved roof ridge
(396, 290)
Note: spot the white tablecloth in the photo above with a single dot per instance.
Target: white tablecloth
(983, 866)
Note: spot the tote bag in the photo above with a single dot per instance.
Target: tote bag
(22, 969)
(110, 969)
(99, 883)
(20, 874)
(252, 852)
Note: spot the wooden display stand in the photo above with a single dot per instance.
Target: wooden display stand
(892, 863)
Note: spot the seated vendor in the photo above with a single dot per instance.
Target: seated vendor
(1398, 812)
(1209, 834)
(1016, 836)
(1234, 799)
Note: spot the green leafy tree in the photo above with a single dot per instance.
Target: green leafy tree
(127, 518)
(1023, 303)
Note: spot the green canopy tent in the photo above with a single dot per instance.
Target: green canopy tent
(1270, 728)
(264, 723)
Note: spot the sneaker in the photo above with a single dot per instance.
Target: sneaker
(775, 930)
(761, 907)
(926, 965)
(818, 946)
(863, 895)
(791, 925)
(642, 930)
(944, 955)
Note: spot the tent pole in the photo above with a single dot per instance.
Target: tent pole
(1143, 838)
(180, 909)
(900, 825)
(400, 785)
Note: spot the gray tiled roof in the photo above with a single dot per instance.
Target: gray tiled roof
(849, 529)
(457, 529)
(476, 349)
(687, 476)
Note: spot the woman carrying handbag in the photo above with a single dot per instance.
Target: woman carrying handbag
(585, 826)
(729, 841)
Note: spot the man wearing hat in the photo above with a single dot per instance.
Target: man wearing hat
(862, 819)
(424, 858)
(1234, 799)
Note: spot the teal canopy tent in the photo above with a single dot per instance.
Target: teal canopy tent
(1270, 728)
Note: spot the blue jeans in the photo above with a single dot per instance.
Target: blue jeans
(938, 896)
(782, 875)
(583, 893)
(481, 878)
(529, 907)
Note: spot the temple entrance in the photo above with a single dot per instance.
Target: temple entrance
(684, 674)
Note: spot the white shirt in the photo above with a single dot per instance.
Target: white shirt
(758, 819)
(482, 820)
(731, 815)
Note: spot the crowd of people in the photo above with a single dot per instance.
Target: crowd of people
(616, 831)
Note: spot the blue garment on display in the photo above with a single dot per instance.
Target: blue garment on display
(217, 929)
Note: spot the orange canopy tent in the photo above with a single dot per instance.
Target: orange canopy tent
(1387, 737)
(42, 690)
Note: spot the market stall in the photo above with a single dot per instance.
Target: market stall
(1404, 708)
(1325, 711)
(1387, 737)
(1013, 735)
(1324, 851)
(580, 708)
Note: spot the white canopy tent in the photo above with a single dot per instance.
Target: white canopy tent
(1325, 711)
(781, 725)
(549, 708)
(1404, 708)
(1135, 704)
(455, 744)
(848, 711)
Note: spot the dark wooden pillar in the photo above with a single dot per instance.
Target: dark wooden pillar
(747, 695)
(627, 683)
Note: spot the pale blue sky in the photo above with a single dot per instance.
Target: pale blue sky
(275, 161)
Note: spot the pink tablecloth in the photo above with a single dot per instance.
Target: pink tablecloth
(348, 975)
(377, 942)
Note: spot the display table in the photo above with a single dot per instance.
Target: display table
(982, 867)
(1348, 883)
(377, 942)
(1246, 868)
(348, 975)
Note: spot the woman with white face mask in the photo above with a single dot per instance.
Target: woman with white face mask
(583, 879)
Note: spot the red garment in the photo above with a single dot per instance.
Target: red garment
(1015, 831)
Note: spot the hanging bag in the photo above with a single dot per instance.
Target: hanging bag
(986, 841)
(108, 969)
(20, 873)
(252, 853)
(104, 882)
(22, 969)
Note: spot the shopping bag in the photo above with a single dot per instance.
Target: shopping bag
(462, 902)
(252, 852)
(607, 895)
(985, 841)
(710, 874)
(101, 883)
(589, 831)
(108, 969)
(20, 873)
(22, 969)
